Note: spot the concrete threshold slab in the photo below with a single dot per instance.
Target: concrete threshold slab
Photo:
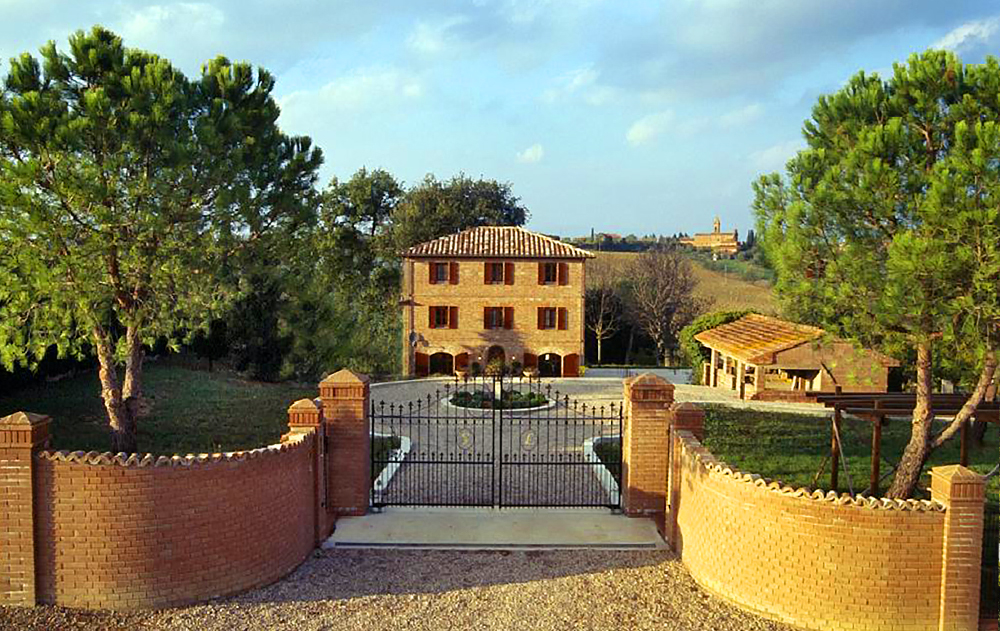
(493, 529)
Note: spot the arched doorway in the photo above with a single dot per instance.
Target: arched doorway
(442, 364)
(495, 356)
(549, 365)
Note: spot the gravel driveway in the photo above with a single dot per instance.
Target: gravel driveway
(403, 589)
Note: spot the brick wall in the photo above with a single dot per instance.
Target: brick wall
(471, 295)
(158, 532)
(822, 562)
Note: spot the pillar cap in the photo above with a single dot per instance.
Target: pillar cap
(648, 380)
(345, 376)
(305, 405)
(24, 419)
(955, 482)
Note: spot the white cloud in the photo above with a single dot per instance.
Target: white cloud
(776, 156)
(532, 154)
(742, 116)
(367, 87)
(649, 127)
(433, 38)
(969, 34)
(583, 82)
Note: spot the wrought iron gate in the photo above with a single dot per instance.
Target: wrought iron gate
(989, 601)
(496, 441)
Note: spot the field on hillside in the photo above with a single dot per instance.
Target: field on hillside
(726, 291)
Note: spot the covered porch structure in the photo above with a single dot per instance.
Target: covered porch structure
(764, 358)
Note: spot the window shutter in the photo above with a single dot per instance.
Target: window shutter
(541, 318)
(508, 317)
(430, 317)
(486, 273)
(508, 273)
(453, 272)
(541, 272)
(430, 268)
(486, 317)
(564, 273)
(452, 317)
(562, 318)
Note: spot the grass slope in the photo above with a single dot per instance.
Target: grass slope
(725, 291)
(791, 447)
(189, 411)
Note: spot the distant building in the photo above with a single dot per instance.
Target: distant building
(718, 242)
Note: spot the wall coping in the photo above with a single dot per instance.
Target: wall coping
(294, 442)
(717, 467)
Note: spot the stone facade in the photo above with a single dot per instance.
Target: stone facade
(530, 311)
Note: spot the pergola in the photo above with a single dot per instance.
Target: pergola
(876, 407)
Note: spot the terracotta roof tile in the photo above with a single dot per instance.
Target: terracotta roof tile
(499, 242)
(754, 337)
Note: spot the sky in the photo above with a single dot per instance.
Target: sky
(629, 117)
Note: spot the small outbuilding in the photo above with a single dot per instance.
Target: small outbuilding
(764, 358)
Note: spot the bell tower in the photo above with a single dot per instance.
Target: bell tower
(717, 225)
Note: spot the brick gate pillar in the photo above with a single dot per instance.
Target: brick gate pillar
(306, 416)
(20, 435)
(644, 445)
(346, 405)
(681, 417)
(964, 493)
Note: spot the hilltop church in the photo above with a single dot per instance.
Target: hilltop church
(719, 242)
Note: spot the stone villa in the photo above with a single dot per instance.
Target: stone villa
(726, 243)
(493, 293)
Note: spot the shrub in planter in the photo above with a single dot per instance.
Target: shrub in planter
(515, 367)
(496, 368)
(476, 369)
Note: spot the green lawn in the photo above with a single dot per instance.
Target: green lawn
(189, 411)
(791, 447)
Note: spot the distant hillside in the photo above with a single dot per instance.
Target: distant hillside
(727, 291)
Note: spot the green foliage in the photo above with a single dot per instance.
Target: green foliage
(433, 208)
(886, 229)
(693, 354)
(509, 400)
(127, 190)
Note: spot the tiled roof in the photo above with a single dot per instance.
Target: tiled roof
(499, 242)
(755, 338)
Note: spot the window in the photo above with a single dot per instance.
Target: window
(494, 273)
(549, 273)
(553, 273)
(546, 318)
(493, 317)
(441, 273)
(439, 317)
(553, 318)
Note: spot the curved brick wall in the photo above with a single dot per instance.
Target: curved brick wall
(159, 532)
(814, 561)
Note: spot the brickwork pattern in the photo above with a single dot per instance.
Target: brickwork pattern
(812, 560)
(471, 295)
(145, 532)
(648, 400)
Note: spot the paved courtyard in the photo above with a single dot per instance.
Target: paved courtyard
(397, 589)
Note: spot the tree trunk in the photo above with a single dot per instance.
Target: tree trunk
(598, 350)
(120, 417)
(919, 448)
(628, 350)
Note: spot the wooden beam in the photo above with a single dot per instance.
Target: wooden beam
(876, 454)
(964, 457)
(834, 451)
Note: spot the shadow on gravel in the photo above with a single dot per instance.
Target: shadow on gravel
(354, 573)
